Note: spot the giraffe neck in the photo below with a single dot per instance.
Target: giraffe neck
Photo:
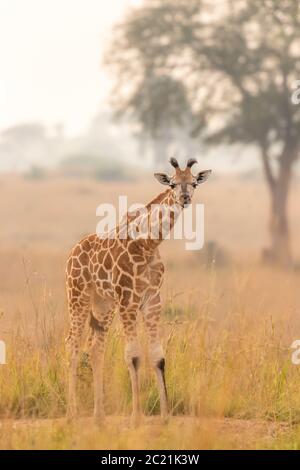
(154, 223)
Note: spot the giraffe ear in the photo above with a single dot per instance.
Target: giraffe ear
(203, 176)
(162, 178)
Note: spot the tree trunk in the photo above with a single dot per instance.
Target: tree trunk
(279, 226)
(280, 250)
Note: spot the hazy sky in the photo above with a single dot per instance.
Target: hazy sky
(50, 59)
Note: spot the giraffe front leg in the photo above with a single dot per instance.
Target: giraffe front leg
(97, 359)
(156, 351)
(151, 314)
(132, 359)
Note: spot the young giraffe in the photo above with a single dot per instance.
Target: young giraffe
(124, 274)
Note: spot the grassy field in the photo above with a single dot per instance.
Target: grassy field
(227, 327)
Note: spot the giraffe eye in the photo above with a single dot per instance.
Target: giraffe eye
(194, 185)
(172, 185)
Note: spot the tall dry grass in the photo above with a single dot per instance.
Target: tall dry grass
(227, 343)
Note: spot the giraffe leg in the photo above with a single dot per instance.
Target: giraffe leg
(101, 318)
(132, 358)
(151, 315)
(78, 315)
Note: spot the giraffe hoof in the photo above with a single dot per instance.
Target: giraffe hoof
(71, 415)
(136, 420)
(165, 419)
(71, 418)
(99, 420)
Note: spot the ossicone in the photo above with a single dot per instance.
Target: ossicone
(174, 162)
(191, 162)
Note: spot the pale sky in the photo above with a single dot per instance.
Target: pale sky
(50, 60)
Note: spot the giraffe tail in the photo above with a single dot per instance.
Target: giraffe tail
(95, 324)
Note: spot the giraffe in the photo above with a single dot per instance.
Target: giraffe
(124, 274)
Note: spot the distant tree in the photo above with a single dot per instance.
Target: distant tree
(236, 61)
(161, 106)
(92, 166)
(22, 143)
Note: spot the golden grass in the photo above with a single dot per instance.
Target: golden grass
(227, 331)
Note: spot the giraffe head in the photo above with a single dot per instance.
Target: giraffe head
(183, 182)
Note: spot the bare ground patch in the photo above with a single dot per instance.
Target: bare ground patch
(117, 433)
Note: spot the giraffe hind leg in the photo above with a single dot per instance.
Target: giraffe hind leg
(78, 316)
(100, 321)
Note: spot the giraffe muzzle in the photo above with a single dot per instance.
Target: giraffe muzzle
(185, 200)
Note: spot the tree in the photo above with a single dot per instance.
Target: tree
(161, 107)
(22, 144)
(237, 61)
